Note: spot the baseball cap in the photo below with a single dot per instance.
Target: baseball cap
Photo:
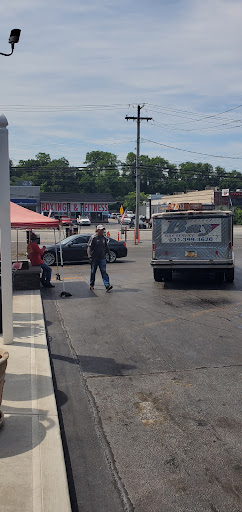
(100, 226)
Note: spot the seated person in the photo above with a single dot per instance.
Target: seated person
(35, 255)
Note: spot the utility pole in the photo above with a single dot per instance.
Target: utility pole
(138, 119)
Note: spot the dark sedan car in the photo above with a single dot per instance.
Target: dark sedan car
(74, 248)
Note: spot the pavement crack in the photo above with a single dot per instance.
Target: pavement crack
(127, 504)
(162, 372)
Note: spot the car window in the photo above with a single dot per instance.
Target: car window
(80, 240)
(86, 238)
(67, 240)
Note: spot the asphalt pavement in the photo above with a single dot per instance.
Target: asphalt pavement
(148, 385)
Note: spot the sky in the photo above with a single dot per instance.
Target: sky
(81, 66)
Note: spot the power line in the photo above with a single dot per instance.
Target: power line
(79, 171)
(164, 174)
(194, 152)
(64, 108)
(215, 128)
(115, 106)
(195, 113)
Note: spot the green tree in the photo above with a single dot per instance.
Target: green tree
(100, 161)
(232, 180)
(130, 200)
(102, 174)
(51, 175)
(154, 173)
(129, 171)
(196, 176)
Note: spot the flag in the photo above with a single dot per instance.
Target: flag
(124, 215)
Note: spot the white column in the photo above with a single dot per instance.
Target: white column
(5, 225)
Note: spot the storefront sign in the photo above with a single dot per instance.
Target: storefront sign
(236, 198)
(95, 207)
(238, 193)
(74, 207)
(60, 207)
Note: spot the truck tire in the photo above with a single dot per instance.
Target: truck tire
(229, 275)
(158, 275)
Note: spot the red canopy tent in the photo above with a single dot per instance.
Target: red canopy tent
(22, 218)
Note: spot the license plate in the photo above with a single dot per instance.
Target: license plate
(191, 254)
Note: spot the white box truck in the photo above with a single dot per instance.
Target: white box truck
(192, 241)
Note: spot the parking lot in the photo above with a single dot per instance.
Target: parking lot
(148, 382)
(19, 242)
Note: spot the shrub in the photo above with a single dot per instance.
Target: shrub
(238, 216)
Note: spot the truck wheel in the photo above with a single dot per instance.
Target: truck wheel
(158, 275)
(229, 275)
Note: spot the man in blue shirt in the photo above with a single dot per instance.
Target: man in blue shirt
(96, 251)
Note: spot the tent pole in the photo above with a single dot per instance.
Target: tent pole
(17, 244)
(56, 257)
(63, 293)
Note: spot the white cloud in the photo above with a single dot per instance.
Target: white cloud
(182, 54)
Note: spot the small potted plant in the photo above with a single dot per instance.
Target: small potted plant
(4, 355)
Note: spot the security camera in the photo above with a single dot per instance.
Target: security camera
(14, 36)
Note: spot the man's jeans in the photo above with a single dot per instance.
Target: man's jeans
(46, 274)
(102, 265)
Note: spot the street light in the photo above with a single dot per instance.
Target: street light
(13, 39)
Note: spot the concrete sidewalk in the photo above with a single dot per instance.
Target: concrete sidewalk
(32, 467)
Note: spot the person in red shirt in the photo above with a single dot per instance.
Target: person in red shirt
(35, 255)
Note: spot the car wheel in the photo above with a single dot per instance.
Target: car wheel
(49, 258)
(112, 257)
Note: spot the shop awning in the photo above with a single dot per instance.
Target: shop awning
(22, 218)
